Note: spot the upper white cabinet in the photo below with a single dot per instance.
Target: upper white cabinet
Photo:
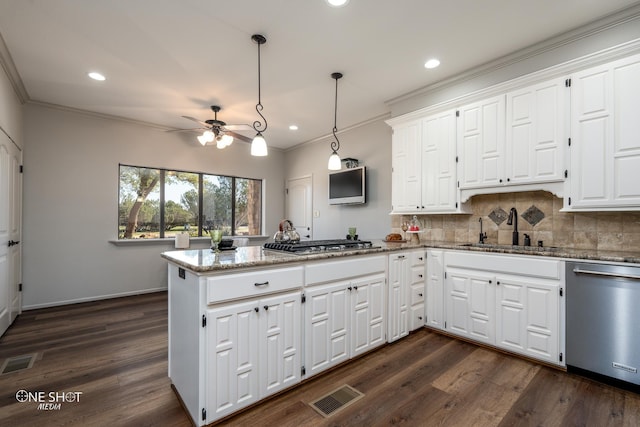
(439, 193)
(605, 147)
(481, 143)
(406, 173)
(535, 125)
(424, 165)
(514, 142)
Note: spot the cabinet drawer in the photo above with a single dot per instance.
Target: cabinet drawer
(329, 271)
(417, 274)
(254, 283)
(417, 294)
(418, 258)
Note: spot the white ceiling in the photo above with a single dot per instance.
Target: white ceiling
(167, 58)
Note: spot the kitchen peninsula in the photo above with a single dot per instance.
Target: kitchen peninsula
(249, 323)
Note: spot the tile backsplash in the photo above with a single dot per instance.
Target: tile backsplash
(539, 216)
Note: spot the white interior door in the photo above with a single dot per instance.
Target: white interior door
(299, 205)
(10, 253)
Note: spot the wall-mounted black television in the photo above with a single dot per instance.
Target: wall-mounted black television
(348, 186)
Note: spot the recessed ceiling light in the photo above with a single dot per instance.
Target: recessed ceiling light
(293, 127)
(432, 63)
(337, 3)
(97, 76)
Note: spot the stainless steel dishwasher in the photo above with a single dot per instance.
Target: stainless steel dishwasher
(603, 322)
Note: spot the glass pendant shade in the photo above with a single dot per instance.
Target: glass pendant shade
(224, 141)
(259, 146)
(334, 162)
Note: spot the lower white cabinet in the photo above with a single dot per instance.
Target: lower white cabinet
(434, 301)
(512, 302)
(343, 320)
(253, 351)
(406, 293)
(344, 316)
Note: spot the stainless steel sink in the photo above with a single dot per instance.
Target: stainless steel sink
(511, 247)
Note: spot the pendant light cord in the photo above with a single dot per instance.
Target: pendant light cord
(257, 125)
(335, 145)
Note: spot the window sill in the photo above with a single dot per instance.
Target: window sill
(170, 241)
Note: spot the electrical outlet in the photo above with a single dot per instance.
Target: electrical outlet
(316, 214)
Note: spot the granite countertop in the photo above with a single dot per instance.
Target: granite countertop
(204, 260)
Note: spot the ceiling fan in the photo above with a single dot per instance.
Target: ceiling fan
(217, 130)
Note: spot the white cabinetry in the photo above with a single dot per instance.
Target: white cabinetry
(424, 165)
(512, 302)
(605, 148)
(417, 289)
(514, 142)
(406, 174)
(481, 143)
(345, 310)
(253, 351)
(434, 302)
(406, 293)
(233, 338)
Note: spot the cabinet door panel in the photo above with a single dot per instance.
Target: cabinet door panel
(367, 318)
(512, 315)
(232, 343)
(470, 304)
(280, 346)
(406, 165)
(434, 301)
(481, 136)
(605, 150)
(326, 335)
(536, 132)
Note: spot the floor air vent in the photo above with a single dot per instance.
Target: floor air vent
(336, 400)
(17, 363)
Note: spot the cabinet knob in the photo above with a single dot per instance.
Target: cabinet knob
(490, 281)
(355, 288)
(419, 258)
(420, 276)
(257, 309)
(498, 282)
(508, 179)
(501, 180)
(420, 295)
(349, 288)
(266, 307)
(419, 317)
(262, 284)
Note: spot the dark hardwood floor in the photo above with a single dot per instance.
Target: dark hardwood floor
(114, 352)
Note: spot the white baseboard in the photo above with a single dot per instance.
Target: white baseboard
(94, 298)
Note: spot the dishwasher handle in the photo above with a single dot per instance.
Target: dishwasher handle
(606, 273)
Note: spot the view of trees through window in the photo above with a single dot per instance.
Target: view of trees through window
(158, 203)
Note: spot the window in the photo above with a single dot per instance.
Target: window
(158, 203)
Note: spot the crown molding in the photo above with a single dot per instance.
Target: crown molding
(11, 71)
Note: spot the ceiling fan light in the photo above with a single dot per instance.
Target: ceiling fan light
(227, 139)
(334, 162)
(202, 140)
(259, 146)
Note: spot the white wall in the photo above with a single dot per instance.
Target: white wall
(371, 144)
(10, 111)
(71, 201)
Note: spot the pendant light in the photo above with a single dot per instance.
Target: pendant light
(259, 145)
(334, 160)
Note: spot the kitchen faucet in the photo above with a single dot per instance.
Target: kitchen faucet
(513, 213)
(483, 236)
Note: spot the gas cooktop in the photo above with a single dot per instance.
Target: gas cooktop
(317, 246)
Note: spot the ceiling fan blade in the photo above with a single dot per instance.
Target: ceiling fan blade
(238, 127)
(187, 130)
(197, 121)
(240, 137)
